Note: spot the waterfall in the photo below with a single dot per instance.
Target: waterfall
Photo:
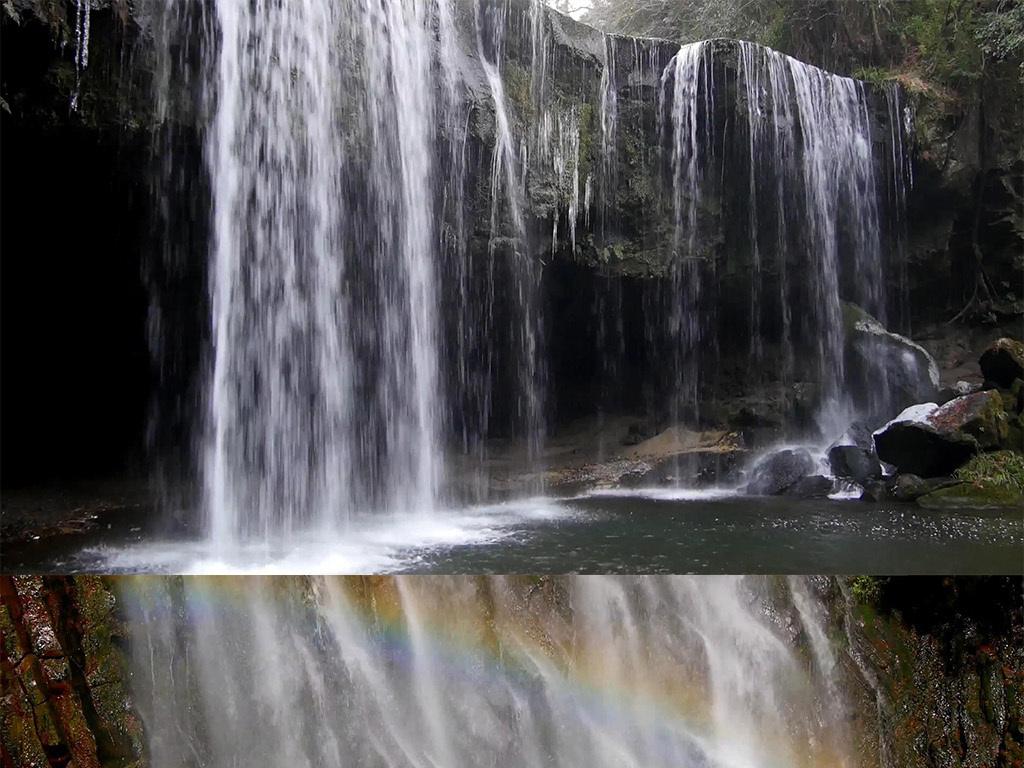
(416, 671)
(324, 388)
(82, 8)
(808, 146)
(509, 239)
(335, 141)
(692, 151)
(609, 132)
(279, 401)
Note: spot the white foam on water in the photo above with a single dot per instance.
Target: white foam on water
(370, 544)
(662, 494)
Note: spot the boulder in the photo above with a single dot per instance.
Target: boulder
(853, 462)
(877, 490)
(972, 496)
(910, 487)
(929, 440)
(811, 487)
(1003, 362)
(886, 371)
(980, 416)
(780, 470)
(857, 434)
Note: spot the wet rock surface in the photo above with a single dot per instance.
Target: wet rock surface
(850, 461)
(779, 471)
(66, 693)
(944, 657)
(887, 371)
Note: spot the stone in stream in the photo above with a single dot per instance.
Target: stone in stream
(929, 440)
(1003, 362)
(972, 496)
(910, 487)
(851, 461)
(811, 487)
(779, 471)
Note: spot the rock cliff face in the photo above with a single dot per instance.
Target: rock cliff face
(682, 225)
(66, 690)
(944, 657)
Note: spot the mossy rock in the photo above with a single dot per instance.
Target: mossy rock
(973, 496)
(1003, 362)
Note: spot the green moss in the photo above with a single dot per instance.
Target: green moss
(1001, 469)
(874, 75)
(866, 589)
(517, 88)
(969, 495)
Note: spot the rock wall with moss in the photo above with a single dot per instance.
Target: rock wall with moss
(945, 657)
(66, 688)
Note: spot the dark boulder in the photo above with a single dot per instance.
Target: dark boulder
(929, 440)
(780, 470)
(811, 487)
(853, 462)
(1003, 362)
(910, 487)
(857, 434)
(877, 490)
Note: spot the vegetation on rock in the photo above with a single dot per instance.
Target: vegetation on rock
(1001, 469)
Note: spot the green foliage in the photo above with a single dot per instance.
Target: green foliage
(1002, 469)
(947, 43)
(874, 75)
(1000, 33)
(10, 12)
(866, 589)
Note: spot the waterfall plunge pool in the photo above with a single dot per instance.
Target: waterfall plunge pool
(641, 531)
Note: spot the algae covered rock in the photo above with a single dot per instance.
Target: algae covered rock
(910, 487)
(1003, 362)
(972, 496)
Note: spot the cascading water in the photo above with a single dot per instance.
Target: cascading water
(382, 182)
(508, 231)
(602, 671)
(280, 406)
(692, 154)
(332, 204)
(801, 125)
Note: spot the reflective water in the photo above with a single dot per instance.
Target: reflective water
(661, 531)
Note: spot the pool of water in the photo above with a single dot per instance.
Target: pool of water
(660, 531)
